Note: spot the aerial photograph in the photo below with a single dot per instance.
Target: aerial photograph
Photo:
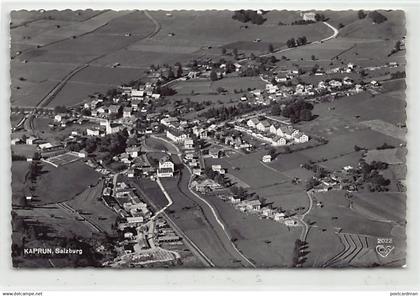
(208, 139)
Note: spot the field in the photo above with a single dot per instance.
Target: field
(371, 216)
(95, 37)
(62, 159)
(54, 184)
(264, 180)
(390, 156)
(90, 206)
(266, 242)
(46, 47)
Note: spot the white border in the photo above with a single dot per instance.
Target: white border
(311, 279)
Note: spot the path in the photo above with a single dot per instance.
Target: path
(208, 206)
(302, 217)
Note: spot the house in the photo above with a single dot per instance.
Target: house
(218, 168)
(112, 128)
(263, 125)
(188, 144)
(92, 132)
(279, 141)
(252, 205)
(200, 132)
(30, 140)
(335, 83)
(273, 129)
(133, 151)
(215, 153)
(16, 141)
(205, 185)
(234, 200)
(278, 216)
(135, 104)
(266, 212)
(176, 136)
(114, 109)
(309, 16)
(197, 171)
(127, 112)
(237, 66)
(266, 158)
(82, 153)
(135, 93)
(131, 173)
(59, 117)
(166, 167)
(169, 121)
(193, 74)
(301, 138)
(252, 122)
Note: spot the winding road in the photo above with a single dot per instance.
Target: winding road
(209, 211)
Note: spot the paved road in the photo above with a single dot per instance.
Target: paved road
(209, 211)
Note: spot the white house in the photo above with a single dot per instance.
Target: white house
(127, 112)
(309, 16)
(59, 117)
(166, 168)
(169, 121)
(176, 136)
(252, 122)
(301, 138)
(133, 151)
(135, 93)
(266, 158)
(189, 144)
(112, 128)
(263, 125)
(92, 132)
(279, 141)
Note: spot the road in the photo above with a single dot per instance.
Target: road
(334, 35)
(301, 218)
(210, 212)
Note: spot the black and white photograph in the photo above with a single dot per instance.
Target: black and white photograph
(208, 139)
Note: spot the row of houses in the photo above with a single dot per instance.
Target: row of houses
(272, 131)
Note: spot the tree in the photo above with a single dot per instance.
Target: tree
(361, 14)
(60, 109)
(235, 53)
(305, 115)
(276, 109)
(397, 45)
(291, 42)
(270, 48)
(171, 74)
(223, 50)
(179, 71)
(213, 75)
(313, 57)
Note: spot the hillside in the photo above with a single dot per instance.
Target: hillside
(393, 28)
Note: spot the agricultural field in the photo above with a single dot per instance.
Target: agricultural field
(273, 185)
(90, 206)
(54, 184)
(268, 243)
(68, 44)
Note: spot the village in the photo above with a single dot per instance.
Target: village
(192, 134)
